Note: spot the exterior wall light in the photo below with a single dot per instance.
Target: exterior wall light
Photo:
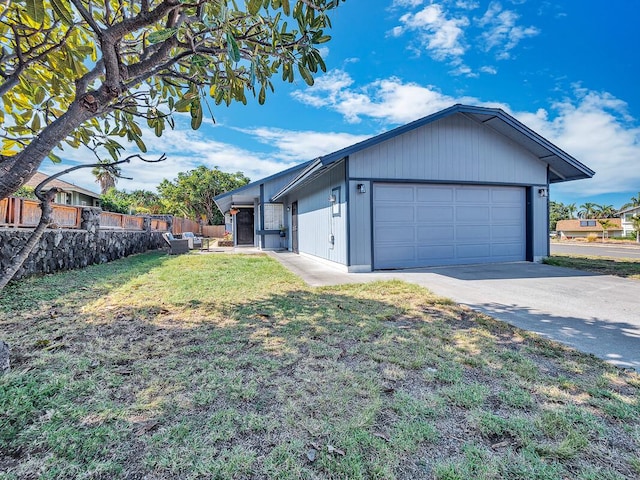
(543, 192)
(332, 199)
(361, 188)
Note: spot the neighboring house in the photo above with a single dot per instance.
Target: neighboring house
(464, 185)
(625, 216)
(70, 195)
(584, 227)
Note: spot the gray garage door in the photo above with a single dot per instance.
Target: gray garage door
(419, 225)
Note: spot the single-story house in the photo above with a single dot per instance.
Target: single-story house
(580, 228)
(70, 194)
(464, 185)
(625, 216)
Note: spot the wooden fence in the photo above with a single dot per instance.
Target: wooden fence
(181, 225)
(213, 231)
(22, 212)
(120, 221)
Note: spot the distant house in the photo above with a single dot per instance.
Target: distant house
(464, 185)
(580, 228)
(625, 216)
(70, 195)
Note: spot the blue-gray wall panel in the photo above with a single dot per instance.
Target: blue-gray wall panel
(454, 149)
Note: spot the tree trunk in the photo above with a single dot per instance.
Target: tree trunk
(23, 254)
(17, 170)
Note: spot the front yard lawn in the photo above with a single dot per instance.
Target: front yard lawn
(229, 367)
(620, 267)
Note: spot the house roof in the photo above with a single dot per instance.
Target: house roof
(39, 177)
(573, 225)
(630, 209)
(246, 193)
(562, 166)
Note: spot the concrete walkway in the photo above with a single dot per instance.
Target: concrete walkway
(598, 314)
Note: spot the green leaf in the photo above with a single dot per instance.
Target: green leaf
(262, 95)
(54, 158)
(306, 75)
(285, 7)
(161, 35)
(35, 10)
(199, 60)
(139, 143)
(196, 120)
(232, 47)
(253, 6)
(35, 124)
(61, 8)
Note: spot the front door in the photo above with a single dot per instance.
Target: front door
(294, 227)
(244, 226)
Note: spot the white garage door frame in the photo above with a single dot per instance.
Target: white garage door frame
(421, 224)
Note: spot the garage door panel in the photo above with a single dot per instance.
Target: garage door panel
(473, 233)
(506, 214)
(394, 213)
(472, 195)
(395, 193)
(398, 254)
(507, 232)
(473, 250)
(436, 254)
(507, 195)
(505, 249)
(436, 234)
(397, 235)
(473, 214)
(433, 213)
(434, 194)
(426, 225)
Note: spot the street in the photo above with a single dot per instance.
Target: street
(598, 250)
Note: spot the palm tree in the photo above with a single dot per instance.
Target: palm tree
(106, 176)
(571, 210)
(606, 211)
(606, 224)
(587, 210)
(635, 221)
(635, 202)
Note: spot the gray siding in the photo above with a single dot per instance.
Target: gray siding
(360, 227)
(540, 224)
(454, 149)
(316, 222)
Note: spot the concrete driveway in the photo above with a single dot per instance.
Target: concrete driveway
(598, 314)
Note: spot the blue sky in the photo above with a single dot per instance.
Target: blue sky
(569, 70)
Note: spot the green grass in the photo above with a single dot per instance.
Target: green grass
(229, 367)
(620, 267)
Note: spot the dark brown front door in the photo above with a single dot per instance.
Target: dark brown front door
(244, 226)
(294, 227)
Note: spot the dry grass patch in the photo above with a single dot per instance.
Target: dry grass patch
(220, 366)
(620, 267)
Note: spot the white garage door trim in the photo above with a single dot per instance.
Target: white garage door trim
(416, 225)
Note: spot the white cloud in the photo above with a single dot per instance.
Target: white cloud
(442, 37)
(186, 149)
(389, 100)
(489, 69)
(593, 127)
(467, 4)
(407, 3)
(502, 33)
(297, 146)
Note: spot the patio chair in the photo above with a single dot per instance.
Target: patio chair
(176, 245)
(194, 242)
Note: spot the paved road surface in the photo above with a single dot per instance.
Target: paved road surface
(606, 250)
